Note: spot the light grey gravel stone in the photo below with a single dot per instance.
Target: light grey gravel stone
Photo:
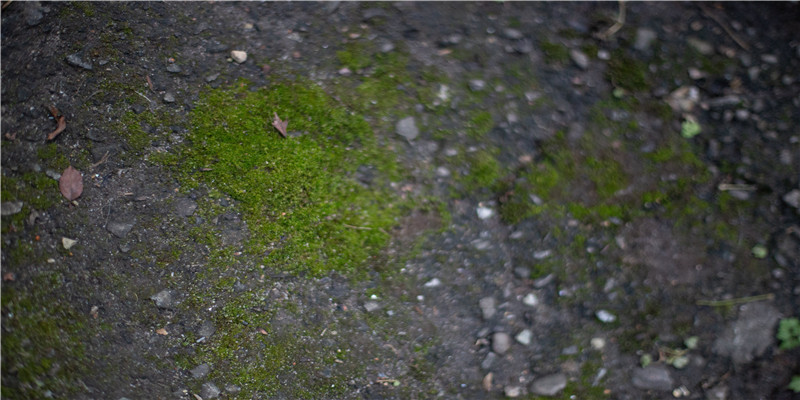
(10, 207)
(792, 198)
(512, 391)
(209, 391)
(501, 342)
(200, 371)
(120, 229)
(701, 46)
(549, 385)
(77, 61)
(488, 307)
(239, 56)
(185, 207)
(407, 128)
(579, 58)
(207, 329)
(750, 335)
(644, 37)
(524, 337)
(371, 306)
(511, 33)
(653, 377)
(174, 68)
(164, 299)
(489, 360)
(169, 97)
(476, 85)
(530, 300)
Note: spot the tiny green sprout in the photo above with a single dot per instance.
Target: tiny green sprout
(789, 333)
(645, 360)
(759, 251)
(618, 93)
(690, 128)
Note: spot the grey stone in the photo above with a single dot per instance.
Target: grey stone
(750, 335)
(169, 98)
(185, 207)
(501, 342)
(207, 329)
(386, 47)
(233, 388)
(212, 77)
(489, 360)
(523, 46)
(371, 306)
(33, 13)
(477, 85)
(644, 37)
(549, 385)
(524, 337)
(701, 46)
(76, 61)
(653, 377)
(511, 33)
(174, 68)
(10, 207)
(209, 391)
(488, 307)
(164, 299)
(522, 272)
(513, 391)
(407, 128)
(200, 371)
(719, 392)
(792, 198)
(579, 58)
(120, 229)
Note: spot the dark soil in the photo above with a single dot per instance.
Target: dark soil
(555, 189)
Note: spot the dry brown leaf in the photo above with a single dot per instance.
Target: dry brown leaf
(162, 331)
(262, 331)
(60, 119)
(280, 125)
(8, 277)
(71, 183)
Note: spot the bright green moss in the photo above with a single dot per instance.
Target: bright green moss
(484, 171)
(300, 196)
(480, 125)
(627, 72)
(355, 55)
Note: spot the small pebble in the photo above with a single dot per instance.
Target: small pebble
(524, 337)
(239, 56)
(598, 343)
(549, 385)
(488, 307)
(484, 212)
(169, 97)
(200, 371)
(174, 68)
(530, 300)
(489, 360)
(512, 391)
(371, 306)
(442, 172)
(606, 316)
(209, 391)
(435, 282)
(501, 342)
(477, 85)
(579, 58)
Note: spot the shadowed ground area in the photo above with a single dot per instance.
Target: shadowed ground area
(400, 200)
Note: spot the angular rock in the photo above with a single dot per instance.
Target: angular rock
(549, 385)
(185, 207)
(488, 307)
(524, 337)
(792, 198)
(174, 68)
(164, 299)
(76, 61)
(120, 229)
(209, 391)
(750, 335)
(10, 207)
(407, 128)
(169, 98)
(653, 377)
(512, 391)
(200, 371)
(371, 306)
(206, 329)
(501, 342)
(239, 56)
(489, 360)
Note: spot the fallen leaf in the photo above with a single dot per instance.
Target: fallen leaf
(93, 311)
(68, 243)
(8, 277)
(280, 125)
(162, 331)
(262, 331)
(62, 123)
(71, 183)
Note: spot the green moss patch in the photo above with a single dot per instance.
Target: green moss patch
(315, 201)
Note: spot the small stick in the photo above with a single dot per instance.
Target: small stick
(145, 97)
(736, 186)
(6, 4)
(617, 25)
(102, 160)
(727, 30)
(733, 302)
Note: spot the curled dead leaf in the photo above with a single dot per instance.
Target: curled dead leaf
(71, 183)
(162, 332)
(60, 120)
(280, 125)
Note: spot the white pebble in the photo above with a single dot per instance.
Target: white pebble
(524, 337)
(435, 282)
(531, 300)
(239, 56)
(598, 343)
(606, 316)
(484, 212)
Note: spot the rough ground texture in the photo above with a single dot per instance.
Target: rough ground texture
(568, 209)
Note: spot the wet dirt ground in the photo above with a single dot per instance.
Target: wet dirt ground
(555, 200)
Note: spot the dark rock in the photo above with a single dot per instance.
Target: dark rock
(120, 229)
(207, 329)
(33, 13)
(174, 68)
(216, 47)
(750, 335)
(200, 371)
(165, 299)
(185, 207)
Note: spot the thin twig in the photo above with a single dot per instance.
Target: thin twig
(102, 160)
(6, 4)
(363, 228)
(620, 22)
(724, 26)
(733, 302)
(724, 187)
(145, 97)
